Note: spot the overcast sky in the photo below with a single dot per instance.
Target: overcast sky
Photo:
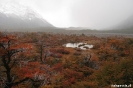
(94, 14)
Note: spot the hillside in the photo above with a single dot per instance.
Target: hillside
(14, 15)
(124, 27)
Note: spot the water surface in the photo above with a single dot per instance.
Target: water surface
(83, 46)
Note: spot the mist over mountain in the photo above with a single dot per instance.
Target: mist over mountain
(124, 26)
(14, 15)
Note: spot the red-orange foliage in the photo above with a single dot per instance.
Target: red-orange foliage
(70, 77)
(34, 71)
(10, 47)
(58, 67)
(56, 55)
(19, 70)
(60, 50)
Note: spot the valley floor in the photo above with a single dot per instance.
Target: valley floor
(40, 60)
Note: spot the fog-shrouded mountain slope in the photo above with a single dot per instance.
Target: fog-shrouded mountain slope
(14, 15)
(125, 26)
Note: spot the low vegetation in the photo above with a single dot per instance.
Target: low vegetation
(39, 60)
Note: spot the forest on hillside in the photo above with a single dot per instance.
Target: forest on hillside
(40, 60)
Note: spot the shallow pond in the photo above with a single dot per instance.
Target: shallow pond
(83, 46)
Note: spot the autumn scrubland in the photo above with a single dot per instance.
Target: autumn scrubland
(39, 60)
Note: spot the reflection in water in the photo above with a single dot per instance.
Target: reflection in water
(83, 46)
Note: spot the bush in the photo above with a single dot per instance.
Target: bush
(77, 53)
(60, 50)
(57, 55)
